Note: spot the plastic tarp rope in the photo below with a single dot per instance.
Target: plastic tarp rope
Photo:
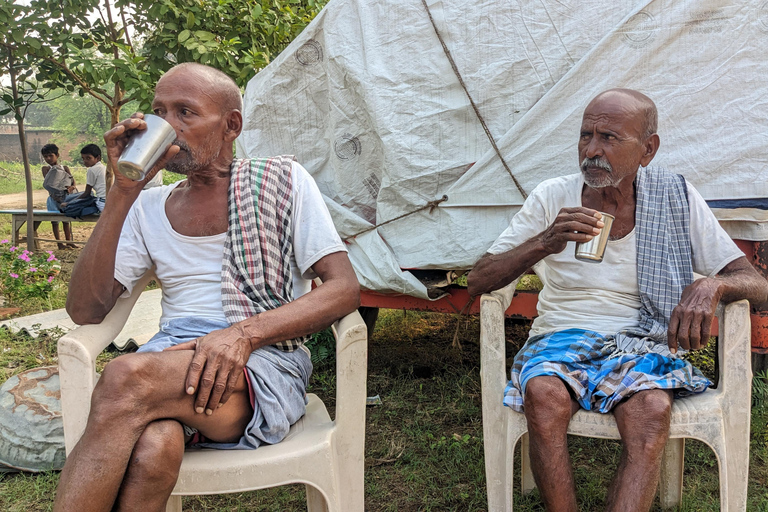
(367, 100)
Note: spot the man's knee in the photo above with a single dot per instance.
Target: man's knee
(122, 385)
(548, 403)
(157, 455)
(645, 418)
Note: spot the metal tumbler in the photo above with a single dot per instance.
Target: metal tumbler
(146, 147)
(594, 249)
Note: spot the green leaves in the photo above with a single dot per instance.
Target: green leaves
(202, 35)
(73, 45)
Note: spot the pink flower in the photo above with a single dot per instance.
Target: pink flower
(13, 248)
(32, 269)
(15, 276)
(52, 258)
(24, 257)
(4, 241)
(50, 279)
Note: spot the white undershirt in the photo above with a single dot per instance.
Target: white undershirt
(189, 268)
(96, 177)
(602, 297)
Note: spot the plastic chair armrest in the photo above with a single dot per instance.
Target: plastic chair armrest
(492, 339)
(77, 352)
(734, 347)
(351, 370)
(505, 295)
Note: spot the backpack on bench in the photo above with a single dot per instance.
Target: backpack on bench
(81, 207)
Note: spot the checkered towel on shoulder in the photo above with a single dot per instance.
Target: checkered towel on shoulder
(664, 260)
(256, 269)
(601, 370)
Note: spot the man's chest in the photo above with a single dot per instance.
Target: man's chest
(195, 219)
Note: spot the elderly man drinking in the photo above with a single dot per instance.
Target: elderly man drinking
(608, 336)
(233, 246)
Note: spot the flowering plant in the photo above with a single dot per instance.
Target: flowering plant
(24, 274)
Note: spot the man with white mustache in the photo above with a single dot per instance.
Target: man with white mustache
(611, 344)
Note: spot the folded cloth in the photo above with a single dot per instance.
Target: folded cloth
(277, 382)
(256, 270)
(600, 372)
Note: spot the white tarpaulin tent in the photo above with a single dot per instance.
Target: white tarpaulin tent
(367, 100)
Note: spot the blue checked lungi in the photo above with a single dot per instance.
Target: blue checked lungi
(598, 370)
(277, 379)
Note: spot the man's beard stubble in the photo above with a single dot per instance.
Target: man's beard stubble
(193, 161)
(608, 180)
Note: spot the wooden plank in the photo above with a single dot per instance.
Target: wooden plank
(19, 218)
(523, 304)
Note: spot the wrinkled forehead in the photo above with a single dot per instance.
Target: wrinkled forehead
(187, 87)
(617, 111)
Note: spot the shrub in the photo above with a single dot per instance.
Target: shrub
(25, 275)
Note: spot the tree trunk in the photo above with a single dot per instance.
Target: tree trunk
(114, 118)
(24, 153)
(28, 180)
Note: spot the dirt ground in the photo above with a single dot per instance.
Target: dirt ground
(14, 201)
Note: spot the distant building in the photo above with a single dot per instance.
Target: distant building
(10, 148)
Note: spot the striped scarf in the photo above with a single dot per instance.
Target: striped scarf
(256, 270)
(664, 260)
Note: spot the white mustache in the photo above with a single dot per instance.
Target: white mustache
(597, 161)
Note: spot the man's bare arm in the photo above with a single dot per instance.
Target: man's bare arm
(691, 320)
(221, 355)
(495, 271)
(93, 289)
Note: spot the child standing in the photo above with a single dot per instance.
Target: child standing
(58, 181)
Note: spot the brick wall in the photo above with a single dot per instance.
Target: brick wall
(10, 148)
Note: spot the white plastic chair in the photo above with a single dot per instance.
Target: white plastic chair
(719, 417)
(326, 455)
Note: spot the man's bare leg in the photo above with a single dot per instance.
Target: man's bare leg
(153, 469)
(135, 390)
(643, 421)
(548, 410)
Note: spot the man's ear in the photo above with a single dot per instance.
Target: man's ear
(651, 146)
(234, 125)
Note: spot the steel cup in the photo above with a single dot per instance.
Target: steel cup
(594, 249)
(146, 147)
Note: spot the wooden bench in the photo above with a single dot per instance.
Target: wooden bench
(19, 217)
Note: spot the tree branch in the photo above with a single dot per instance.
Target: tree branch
(93, 91)
(125, 29)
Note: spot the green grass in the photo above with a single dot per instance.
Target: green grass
(12, 177)
(424, 449)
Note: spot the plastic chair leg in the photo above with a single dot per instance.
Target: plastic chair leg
(671, 476)
(527, 482)
(315, 500)
(174, 504)
(734, 476)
